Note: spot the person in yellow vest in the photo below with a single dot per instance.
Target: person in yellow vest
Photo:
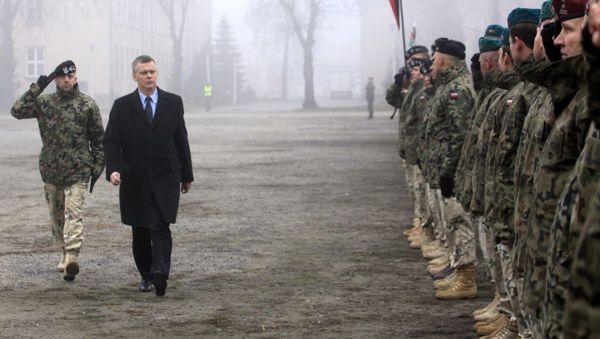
(207, 96)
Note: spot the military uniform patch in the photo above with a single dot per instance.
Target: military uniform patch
(509, 103)
(454, 96)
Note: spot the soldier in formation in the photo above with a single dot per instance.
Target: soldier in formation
(516, 163)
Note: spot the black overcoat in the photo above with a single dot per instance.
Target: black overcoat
(153, 157)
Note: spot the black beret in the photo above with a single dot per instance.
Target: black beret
(65, 67)
(416, 50)
(451, 47)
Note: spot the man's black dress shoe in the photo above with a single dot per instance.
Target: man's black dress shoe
(145, 286)
(159, 280)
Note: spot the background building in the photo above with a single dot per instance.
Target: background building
(103, 38)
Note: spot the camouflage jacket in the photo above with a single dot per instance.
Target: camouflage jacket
(490, 132)
(462, 179)
(571, 215)
(491, 111)
(404, 110)
(519, 100)
(446, 126)
(536, 127)
(581, 316)
(395, 95)
(561, 150)
(71, 130)
(425, 102)
(414, 117)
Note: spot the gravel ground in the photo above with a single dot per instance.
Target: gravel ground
(293, 229)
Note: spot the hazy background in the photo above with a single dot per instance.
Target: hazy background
(238, 46)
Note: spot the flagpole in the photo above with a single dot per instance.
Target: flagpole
(401, 9)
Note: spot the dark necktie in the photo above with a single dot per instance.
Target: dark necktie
(149, 108)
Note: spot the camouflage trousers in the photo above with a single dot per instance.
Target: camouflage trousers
(511, 306)
(460, 233)
(420, 195)
(66, 215)
(488, 246)
(408, 175)
(435, 201)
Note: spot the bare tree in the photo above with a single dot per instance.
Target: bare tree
(273, 34)
(10, 9)
(304, 25)
(176, 12)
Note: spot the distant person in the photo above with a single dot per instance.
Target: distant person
(148, 156)
(71, 129)
(208, 89)
(370, 95)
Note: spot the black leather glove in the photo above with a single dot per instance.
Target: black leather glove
(44, 80)
(93, 182)
(447, 186)
(549, 32)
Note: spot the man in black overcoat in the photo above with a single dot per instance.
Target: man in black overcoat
(148, 156)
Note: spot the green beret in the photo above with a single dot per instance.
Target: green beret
(505, 37)
(546, 11)
(494, 31)
(519, 15)
(489, 44)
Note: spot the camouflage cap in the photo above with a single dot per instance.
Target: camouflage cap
(569, 9)
(546, 12)
(519, 15)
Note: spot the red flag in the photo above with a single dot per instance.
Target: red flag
(395, 9)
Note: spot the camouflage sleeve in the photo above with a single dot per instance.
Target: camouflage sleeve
(411, 130)
(95, 131)
(26, 107)
(460, 104)
(395, 95)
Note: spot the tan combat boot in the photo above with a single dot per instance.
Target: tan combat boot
(508, 331)
(439, 252)
(416, 226)
(72, 266)
(62, 263)
(487, 328)
(417, 242)
(491, 313)
(445, 282)
(438, 260)
(433, 270)
(434, 245)
(463, 286)
(484, 309)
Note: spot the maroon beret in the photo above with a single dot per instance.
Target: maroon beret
(569, 9)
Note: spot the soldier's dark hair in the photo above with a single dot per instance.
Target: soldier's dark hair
(525, 31)
(142, 59)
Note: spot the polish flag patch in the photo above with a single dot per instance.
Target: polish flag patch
(509, 103)
(453, 96)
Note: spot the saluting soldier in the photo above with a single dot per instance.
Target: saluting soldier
(72, 154)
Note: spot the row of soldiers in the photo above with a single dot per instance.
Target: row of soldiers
(510, 164)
